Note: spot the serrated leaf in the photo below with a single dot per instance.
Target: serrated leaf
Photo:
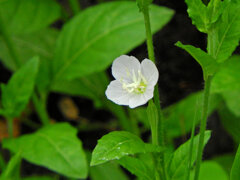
(26, 16)
(206, 61)
(118, 144)
(94, 38)
(55, 147)
(197, 11)
(10, 171)
(107, 171)
(227, 78)
(40, 43)
(179, 116)
(235, 173)
(226, 32)
(178, 166)
(215, 9)
(137, 167)
(210, 170)
(14, 98)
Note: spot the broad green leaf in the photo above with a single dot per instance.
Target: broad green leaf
(197, 11)
(230, 122)
(226, 161)
(227, 78)
(215, 9)
(16, 94)
(10, 172)
(178, 166)
(179, 116)
(232, 99)
(211, 170)
(235, 173)
(92, 86)
(107, 171)
(118, 144)
(94, 38)
(137, 167)
(55, 147)
(206, 61)
(26, 16)
(226, 34)
(39, 43)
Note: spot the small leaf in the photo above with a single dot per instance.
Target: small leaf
(207, 62)
(179, 163)
(26, 16)
(10, 171)
(118, 144)
(197, 11)
(137, 167)
(227, 78)
(14, 98)
(91, 40)
(226, 32)
(55, 147)
(211, 170)
(235, 173)
(107, 171)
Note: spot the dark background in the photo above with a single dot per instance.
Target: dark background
(179, 76)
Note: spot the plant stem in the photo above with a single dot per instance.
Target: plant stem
(75, 6)
(10, 127)
(159, 129)
(203, 125)
(12, 50)
(2, 162)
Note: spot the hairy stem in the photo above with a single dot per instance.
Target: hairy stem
(12, 50)
(160, 130)
(203, 125)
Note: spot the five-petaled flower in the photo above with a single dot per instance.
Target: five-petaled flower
(134, 84)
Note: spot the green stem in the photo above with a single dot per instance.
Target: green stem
(203, 125)
(134, 122)
(12, 50)
(160, 130)
(2, 162)
(75, 6)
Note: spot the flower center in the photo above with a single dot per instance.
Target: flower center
(138, 84)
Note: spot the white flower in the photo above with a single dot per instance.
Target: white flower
(134, 84)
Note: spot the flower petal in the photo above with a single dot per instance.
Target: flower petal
(140, 99)
(123, 67)
(117, 94)
(150, 72)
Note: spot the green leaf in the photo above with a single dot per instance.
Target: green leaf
(14, 98)
(226, 161)
(107, 171)
(179, 116)
(230, 122)
(226, 32)
(10, 171)
(55, 147)
(215, 9)
(235, 173)
(94, 38)
(197, 11)
(143, 4)
(152, 114)
(232, 99)
(39, 43)
(211, 170)
(92, 86)
(26, 16)
(178, 166)
(118, 144)
(227, 78)
(39, 178)
(137, 167)
(206, 61)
